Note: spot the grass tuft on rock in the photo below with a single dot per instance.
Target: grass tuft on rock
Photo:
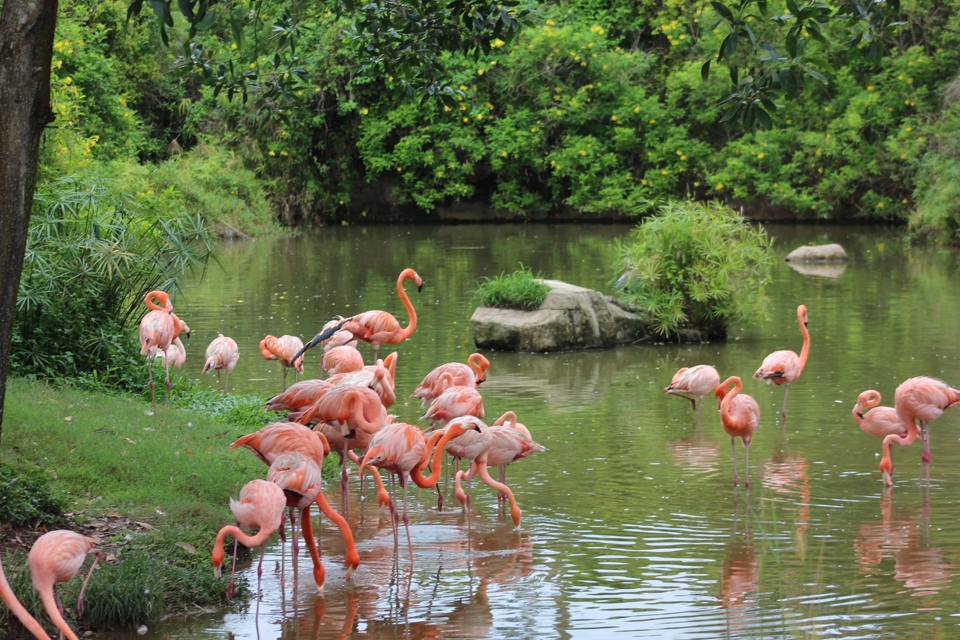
(517, 290)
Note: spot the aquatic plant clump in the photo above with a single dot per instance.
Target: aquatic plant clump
(695, 265)
(517, 290)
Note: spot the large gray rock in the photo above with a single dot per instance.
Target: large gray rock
(819, 253)
(570, 317)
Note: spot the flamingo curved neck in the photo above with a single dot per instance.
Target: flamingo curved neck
(730, 395)
(27, 620)
(805, 351)
(46, 596)
(507, 418)
(356, 401)
(417, 474)
(913, 432)
(408, 330)
(243, 538)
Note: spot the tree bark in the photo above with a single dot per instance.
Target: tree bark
(26, 49)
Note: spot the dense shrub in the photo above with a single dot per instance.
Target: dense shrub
(517, 290)
(695, 265)
(26, 498)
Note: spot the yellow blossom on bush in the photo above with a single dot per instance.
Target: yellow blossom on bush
(496, 44)
(271, 153)
(719, 186)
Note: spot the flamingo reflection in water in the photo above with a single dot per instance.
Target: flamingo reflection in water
(696, 455)
(789, 475)
(739, 575)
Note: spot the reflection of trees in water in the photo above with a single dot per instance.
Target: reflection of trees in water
(904, 536)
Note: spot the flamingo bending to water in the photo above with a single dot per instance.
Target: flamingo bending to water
(739, 415)
(57, 557)
(222, 353)
(881, 421)
(695, 383)
(783, 367)
(27, 620)
(376, 327)
(287, 350)
(450, 375)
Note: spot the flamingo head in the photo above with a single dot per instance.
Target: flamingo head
(886, 466)
(802, 314)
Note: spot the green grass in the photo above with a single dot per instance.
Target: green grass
(517, 290)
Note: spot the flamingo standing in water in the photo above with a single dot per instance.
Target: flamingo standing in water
(917, 399)
(739, 415)
(453, 403)
(222, 353)
(260, 507)
(286, 349)
(402, 449)
(783, 367)
(27, 620)
(695, 383)
(450, 375)
(882, 421)
(57, 557)
(376, 327)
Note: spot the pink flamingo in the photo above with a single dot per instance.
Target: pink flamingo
(342, 359)
(376, 327)
(340, 338)
(157, 330)
(260, 507)
(783, 367)
(694, 384)
(917, 399)
(222, 353)
(298, 396)
(287, 350)
(453, 403)
(402, 449)
(882, 421)
(57, 557)
(739, 415)
(27, 620)
(378, 377)
(450, 375)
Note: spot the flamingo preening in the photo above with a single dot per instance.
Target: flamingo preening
(695, 383)
(222, 353)
(158, 329)
(783, 367)
(287, 350)
(452, 374)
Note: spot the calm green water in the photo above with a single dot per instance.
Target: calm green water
(631, 527)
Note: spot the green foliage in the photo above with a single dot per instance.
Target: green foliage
(938, 189)
(517, 290)
(695, 265)
(26, 498)
(126, 594)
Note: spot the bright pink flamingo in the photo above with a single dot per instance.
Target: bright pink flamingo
(450, 375)
(740, 415)
(783, 367)
(453, 403)
(402, 449)
(27, 620)
(278, 438)
(378, 377)
(342, 359)
(695, 383)
(376, 327)
(339, 338)
(57, 557)
(917, 399)
(299, 396)
(222, 353)
(287, 350)
(260, 507)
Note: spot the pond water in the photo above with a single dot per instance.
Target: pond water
(631, 526)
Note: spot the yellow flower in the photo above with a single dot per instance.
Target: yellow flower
(904, 201)
(365, 111)
(870, 88)
(582, 152)
(652, 121)
(465, 119)
(551, 22)
(921, 139)
(819, 169)
(880, 205)
(665, 172)
(233, 46)
(789, 121)
(283, 153)
(903, 156)
(59, 63)
(480, 72)
(446, 108)
(719, 186)
(503, 153)
(533, 130)
(496, 44)
(68, 80)
(683, 158)
(614, 118)
(559, 112)
(696, 184)
(760, 155)
(643, 182)
(679, 153)
(271, 153)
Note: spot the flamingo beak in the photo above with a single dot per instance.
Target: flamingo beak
(420, 287)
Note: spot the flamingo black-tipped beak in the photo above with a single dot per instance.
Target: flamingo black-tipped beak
(420, 287)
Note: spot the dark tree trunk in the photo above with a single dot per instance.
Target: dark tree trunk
(26, 48)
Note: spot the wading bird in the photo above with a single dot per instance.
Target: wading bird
(260, 507)
(222, 353)
(739, 415)
(287, 350)
(695, 383)
(452, 374)
(57, 557)
(783, 367)
(881, 421)
(453, 403)
(157, 330)
(342, 359)
(376, 327)
(27, 620)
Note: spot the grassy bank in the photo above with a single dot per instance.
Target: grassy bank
(153, 493)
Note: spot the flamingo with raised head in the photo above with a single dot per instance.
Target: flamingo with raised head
(453, 403)
(694, 383)
(783, 367)
(739, 415)
(222, 354)
(57, 557)
(260, 507)
(27, 620)
(287, 350)
(452, 374)
(376, 327)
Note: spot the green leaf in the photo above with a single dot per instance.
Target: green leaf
(723, 10)
(705, 71)
(734, 75)
(814, 74)
(207, 21)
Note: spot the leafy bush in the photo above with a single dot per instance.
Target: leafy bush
(126, 594)
(695, 265)
(517, 290)
(26, 498)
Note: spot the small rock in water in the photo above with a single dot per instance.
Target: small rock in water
(818, 253)
(142, 630)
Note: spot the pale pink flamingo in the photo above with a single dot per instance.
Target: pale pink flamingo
(783, 367)
(376, 327)
(279, 438)
(881, 421)
(27, 620)
(450, 375)
(222, 353)
(341, 359)
(57, 557)
(287, 350)
(920, 400)
(453, 403)
(378, 377)
(473, 444)
(174, 356)
(695, 383)
(739, 415)
(402, 449)
(260, 507)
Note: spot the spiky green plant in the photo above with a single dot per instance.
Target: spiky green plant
(517, 290)
(695, 265)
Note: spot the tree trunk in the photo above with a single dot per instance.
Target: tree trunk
(26, 49)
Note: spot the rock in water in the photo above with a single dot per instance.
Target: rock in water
(819, 253)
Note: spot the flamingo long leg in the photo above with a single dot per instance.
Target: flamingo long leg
(925, 456)
(493, 484)
(733, 448)
(746, 481)
(406, 521)
(352, 558)
(783, 413)
(166, 398)
(153, 397)
(85, 581)
(306, 526)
